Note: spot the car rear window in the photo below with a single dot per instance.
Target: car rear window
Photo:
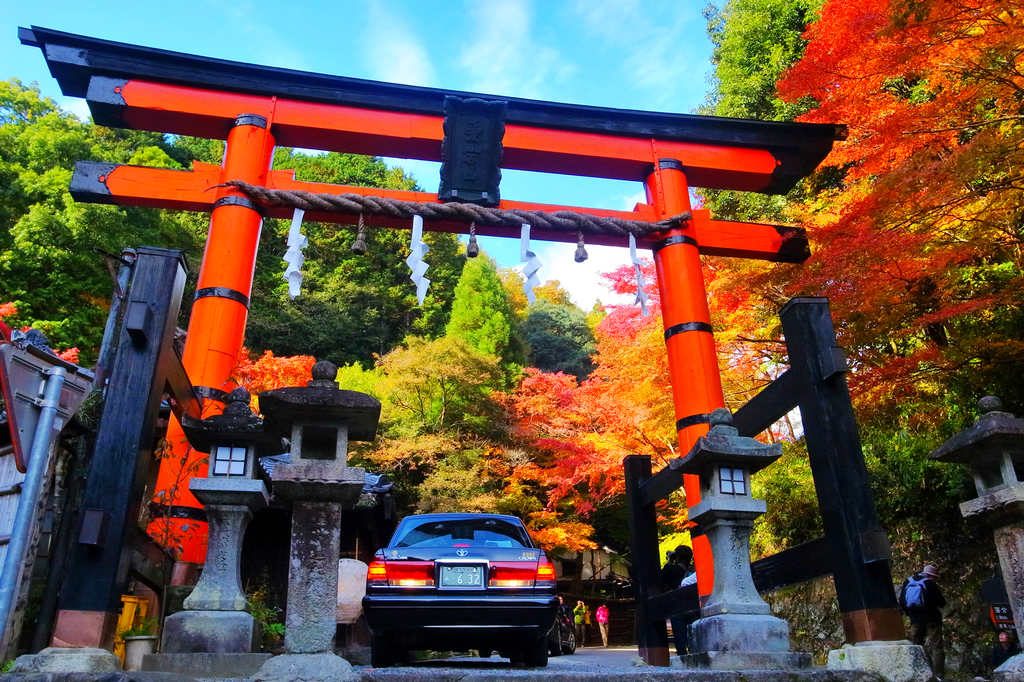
(471, 532)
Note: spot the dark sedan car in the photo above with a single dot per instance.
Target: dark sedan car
(458, 582)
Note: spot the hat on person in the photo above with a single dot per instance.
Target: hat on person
(930, 571)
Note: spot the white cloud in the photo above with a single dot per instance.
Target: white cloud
(504, 58)
(583, 280)
(78, 107)
(396, 54)
(651, 43)
(259, 41)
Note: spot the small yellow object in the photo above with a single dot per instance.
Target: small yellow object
(133, 610)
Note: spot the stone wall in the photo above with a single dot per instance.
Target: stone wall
(965, 557)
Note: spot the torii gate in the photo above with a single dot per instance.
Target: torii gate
(256, 107)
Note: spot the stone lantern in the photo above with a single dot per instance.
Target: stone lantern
(993, 449)
(319, 419)
(216, 619)
(736, 629)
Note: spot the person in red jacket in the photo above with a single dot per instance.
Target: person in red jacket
(602, 623)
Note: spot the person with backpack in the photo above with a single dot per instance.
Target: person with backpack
(921, 599)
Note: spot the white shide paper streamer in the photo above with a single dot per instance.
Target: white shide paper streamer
(641, 295)
(532, 266)
(417, 250)
(294, 256)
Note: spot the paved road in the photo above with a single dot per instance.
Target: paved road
(614, 664)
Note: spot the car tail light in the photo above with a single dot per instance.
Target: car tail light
(545, 573)
(410, 573)
(512, 574)
(377, 573)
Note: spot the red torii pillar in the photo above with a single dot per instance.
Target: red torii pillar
(692, 359)
(216, 327)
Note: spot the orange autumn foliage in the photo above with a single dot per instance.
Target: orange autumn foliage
(916, 238)
(271, 371)
(581, 432)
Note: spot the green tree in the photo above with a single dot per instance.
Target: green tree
(440, 386)
(49, 266)
(559, 339)
(481, 312)
(755, 42)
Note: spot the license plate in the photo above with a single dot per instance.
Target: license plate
(462, 576)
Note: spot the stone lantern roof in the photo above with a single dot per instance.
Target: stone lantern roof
(723, 446)
(992, 434)
(321, 399)
(237, 425)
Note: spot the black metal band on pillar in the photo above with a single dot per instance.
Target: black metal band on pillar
(211, 393)
(673, 240)
(670, 164)
(251, 120)
(233, 200)
(176, 511)
(687, 327)
(223, 292)
(692, 420)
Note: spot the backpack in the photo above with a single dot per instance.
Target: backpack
(913, 596)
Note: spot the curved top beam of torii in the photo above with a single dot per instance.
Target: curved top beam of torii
(795, 149)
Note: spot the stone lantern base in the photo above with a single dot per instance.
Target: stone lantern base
(735, 641)
(209, 631)
(898, 661)
(321, 667)
(1012, 670)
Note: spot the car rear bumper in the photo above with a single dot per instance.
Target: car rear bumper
(476, 620)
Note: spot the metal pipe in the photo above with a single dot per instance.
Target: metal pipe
(31, 487)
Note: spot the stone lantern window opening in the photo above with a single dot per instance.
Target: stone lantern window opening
(320, 441)
(1018, 467)
(732, 481)
(231, 460)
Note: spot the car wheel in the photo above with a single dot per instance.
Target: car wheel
(570, 644)
(382, 654)
(537, 656)
(554, 642)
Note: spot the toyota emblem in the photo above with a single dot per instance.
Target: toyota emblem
(461, 552)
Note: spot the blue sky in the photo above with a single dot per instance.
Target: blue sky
(631, 54)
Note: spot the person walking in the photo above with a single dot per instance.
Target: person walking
(921, 599)
(602, 623)
(579, 619)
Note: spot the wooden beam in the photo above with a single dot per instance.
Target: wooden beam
(795, 148)
(184, 110)
(661, 485)
(811, 559)
(184, 400)
(193, 190)
(768, 406)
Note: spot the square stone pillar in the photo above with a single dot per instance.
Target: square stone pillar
(311, 620)
(320, 419)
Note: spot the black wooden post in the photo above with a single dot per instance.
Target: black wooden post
(859, 546)
(651, 634)
(90, 598)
